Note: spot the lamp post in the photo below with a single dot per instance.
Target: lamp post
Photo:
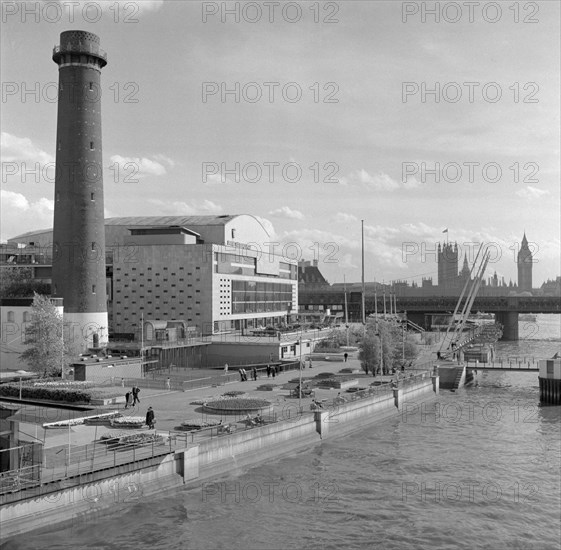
(300, 379)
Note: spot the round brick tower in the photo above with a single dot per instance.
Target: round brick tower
(79, 229)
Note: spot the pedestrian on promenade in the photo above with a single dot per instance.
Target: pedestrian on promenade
(135, 392)
(168, 383)
(226, 368)
(254, 372)
(150, 420)
(127, 397)
(241, 374)
(122, 382)
(310, 359)
(346, 356)
(268, 371)
(273, 371)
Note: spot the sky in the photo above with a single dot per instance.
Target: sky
(312, 116)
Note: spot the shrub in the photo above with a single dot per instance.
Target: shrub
(47, 394)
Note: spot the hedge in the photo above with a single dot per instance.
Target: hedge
(47, 394)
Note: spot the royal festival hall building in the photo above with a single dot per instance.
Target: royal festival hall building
(214, 273)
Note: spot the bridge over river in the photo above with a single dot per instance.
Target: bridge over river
(505, 308)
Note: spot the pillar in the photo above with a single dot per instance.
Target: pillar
(509, 321)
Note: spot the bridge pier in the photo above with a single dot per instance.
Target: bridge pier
(509, 320)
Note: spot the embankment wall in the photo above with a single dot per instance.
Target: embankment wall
(99, 492)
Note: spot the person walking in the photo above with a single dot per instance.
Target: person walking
(168, 383)
(127, 397)
(135, 392)
(346, 356)
(226, 368)
(254, 372)
(122, 382)
(150, 420)
(268, 371)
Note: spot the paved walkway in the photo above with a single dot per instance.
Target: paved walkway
(173, 407)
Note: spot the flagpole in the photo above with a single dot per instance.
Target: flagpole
(363, 286)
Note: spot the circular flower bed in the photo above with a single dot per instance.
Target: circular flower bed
(237, 405)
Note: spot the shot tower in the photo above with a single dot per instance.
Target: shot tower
(79, 231)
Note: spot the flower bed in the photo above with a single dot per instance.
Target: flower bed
(71, 384)
(118, 439)
(223, 397)
(196, 424)
(237, 405)
(233, 393)
(100, 420)
(97, 419)
(128, 422)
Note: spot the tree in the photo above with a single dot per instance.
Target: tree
(383, 347)
(18, 282)
(46, 351)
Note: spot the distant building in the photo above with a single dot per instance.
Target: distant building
(215, 273)
(310, 275)
(525, 262)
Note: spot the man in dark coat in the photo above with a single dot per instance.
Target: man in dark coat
(135, 392)
(150, 418)
(127, 397)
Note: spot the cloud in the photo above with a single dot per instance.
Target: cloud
(165, 159)
(19, 214)
(195, 208)
(379, 182)
(530, 192)
(343, 217)
(17, 149)
(216, 179)
(141, 167)
(286, 212)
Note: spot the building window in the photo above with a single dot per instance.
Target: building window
(92, 196)
(11, 317)
(91, 85)
(93, 289)
(91, 145)
(26, 317)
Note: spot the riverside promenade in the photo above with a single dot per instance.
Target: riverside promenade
(79, 471)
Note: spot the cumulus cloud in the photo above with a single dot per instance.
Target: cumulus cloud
(18, 149)
(343, 217)
(19, 214)
(286, 212)
(195, 208)
(136, 167)
(217, 179)
(165, 159)
(380, 181)
(530, 192)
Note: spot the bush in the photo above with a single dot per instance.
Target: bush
(47, 394)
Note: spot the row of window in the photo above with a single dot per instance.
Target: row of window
(26, 317)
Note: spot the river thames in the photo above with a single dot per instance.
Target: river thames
(477, 468)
